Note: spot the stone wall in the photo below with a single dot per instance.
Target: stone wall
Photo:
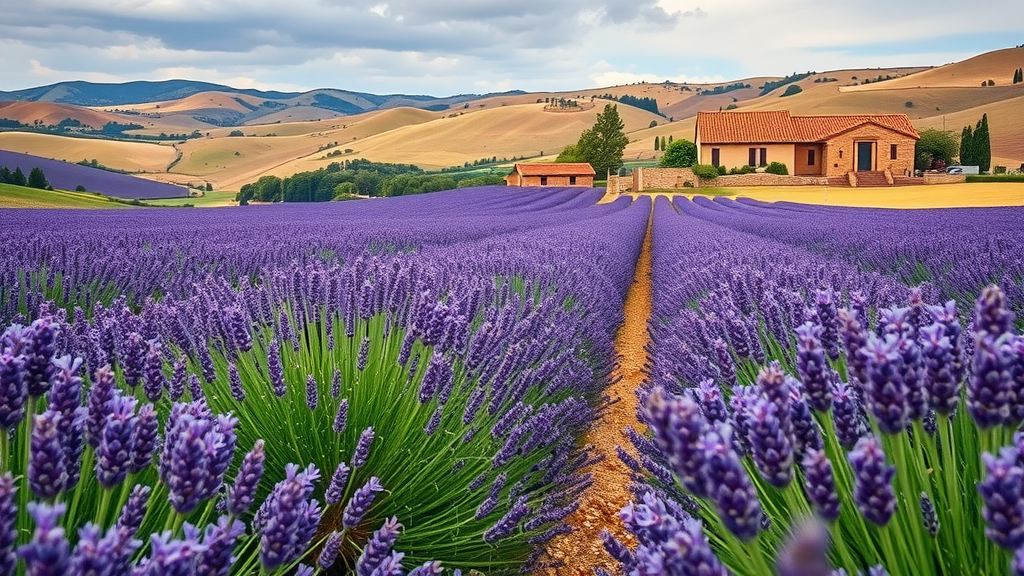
(619, 184)
(765, 179)
(663, 178)
(944, 178)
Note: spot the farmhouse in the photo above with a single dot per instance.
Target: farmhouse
(564, 174)
(830, 146)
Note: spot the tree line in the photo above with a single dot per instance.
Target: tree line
(35, 178)
(357, 178)
(937, 148)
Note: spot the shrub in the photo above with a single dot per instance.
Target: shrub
(652, 124)
(908, 104)
(792, 89)
(679, 154)
(999, 170)
(705, 171)
(742, 170)
(236, 133)
(687, 184)
(777, 168)
(80, 188)
(722, 171)
(731, 107)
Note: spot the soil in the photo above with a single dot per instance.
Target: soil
(578, 553)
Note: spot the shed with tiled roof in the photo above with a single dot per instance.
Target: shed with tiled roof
(558, 174)
(826, 145)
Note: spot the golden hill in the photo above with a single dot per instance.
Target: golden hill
(52, 113)
(997, 66)
(130, 156)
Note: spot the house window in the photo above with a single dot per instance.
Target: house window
(752, 157)
(810, 157)
(892, 152)
(572, 180)
(543, 180)
(716, 157)
(764, 157)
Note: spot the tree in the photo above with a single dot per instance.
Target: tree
(982, 145)
(602, 144)
(18, 177)
(570, 153)
(680, 154)
(966, 150)
(670, 139)
(934, 146)
(36, 179)
(657, 144)
(664, 145)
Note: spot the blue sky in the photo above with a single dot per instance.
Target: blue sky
(447, 47)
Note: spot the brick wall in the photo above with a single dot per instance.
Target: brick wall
(841, 151)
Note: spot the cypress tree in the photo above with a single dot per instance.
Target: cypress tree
(663, 146)
(657, 144)
(966, 150)
(18, 177)
(36, 179)
(669, 138)
(5, 175)
(982, 145)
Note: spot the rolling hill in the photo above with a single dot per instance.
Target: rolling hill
(284, 133)
(69, 176)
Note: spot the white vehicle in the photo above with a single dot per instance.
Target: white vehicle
(962, 170)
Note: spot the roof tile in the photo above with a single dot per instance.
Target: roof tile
(778, 126)
(557, 169)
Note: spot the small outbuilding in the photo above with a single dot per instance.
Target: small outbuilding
(558, 174)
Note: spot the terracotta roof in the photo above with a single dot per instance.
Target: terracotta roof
(778, 126)
(557, 169)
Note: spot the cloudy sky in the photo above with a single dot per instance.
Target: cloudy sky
(443, 47)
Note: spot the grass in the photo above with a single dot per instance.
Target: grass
(21, 197)
(208, 200)
(982, 178)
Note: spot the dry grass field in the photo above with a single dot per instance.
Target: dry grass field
(997, 65)
(52, 113)
(130, 156)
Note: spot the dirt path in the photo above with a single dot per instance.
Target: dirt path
(582, 551)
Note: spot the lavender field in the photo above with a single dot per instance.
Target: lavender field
(404, 386)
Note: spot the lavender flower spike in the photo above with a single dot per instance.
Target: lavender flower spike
(114, 452)
(1001, 491)
(729, 485)
(378, 548)
(806, 553)
(340, 417)
(8, 524)
(873, 491)
(46, 467)
(312, 393)
(134, 510)
(886, 393)
(329, 553)
(363, 448)
(241, 494)
(812, 366)
(13, 391)
(939, 366)
(336, 489)
(360, 503)
(47, 554)
(821, 485)
(990, 383)
(678, 427)
(770, 446)
(846, 415)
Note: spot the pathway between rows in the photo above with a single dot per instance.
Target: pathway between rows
(581, 551)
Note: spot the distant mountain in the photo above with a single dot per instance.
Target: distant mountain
(82, 93)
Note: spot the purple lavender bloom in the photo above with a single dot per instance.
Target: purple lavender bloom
(990, 384)
(943, 388)
(93, 554)
(806, 552)
(154, 382)
(312, 393)
(770, 446)
(378, 548)
(329, 553)
(241, 494)
(47, 474)
(364, 354)
(235, 382)
(341, 417)
(773, 384)
(39, 348)
(101, 393)
(828, 317)
(991, 315)
(617, 550)
(729, 486)
(13, 391)
(133, 359)
(336, 489)
(144, 440)
(928, 517)
(219, 543)
(169, 557)
(336, 383)
(360, 503)
(820, 484)
(363, 448)
(134, 510)
(678, 427)
(176, 388)
(855, 338)
(806, 433)
(742, 398)
(873, 492)
(1002, 491)
(284, 520)
(846, 415)
(709, 395)
(725, 365)
(65, 398)
(812, 366)
(274, 369)
(8, 524)
(432, 568)
(506, 524)
(47, 554)
(887, 396)
(196, 454)
(114, 452)
(239, 325)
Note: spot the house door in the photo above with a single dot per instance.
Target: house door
(864, 160)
